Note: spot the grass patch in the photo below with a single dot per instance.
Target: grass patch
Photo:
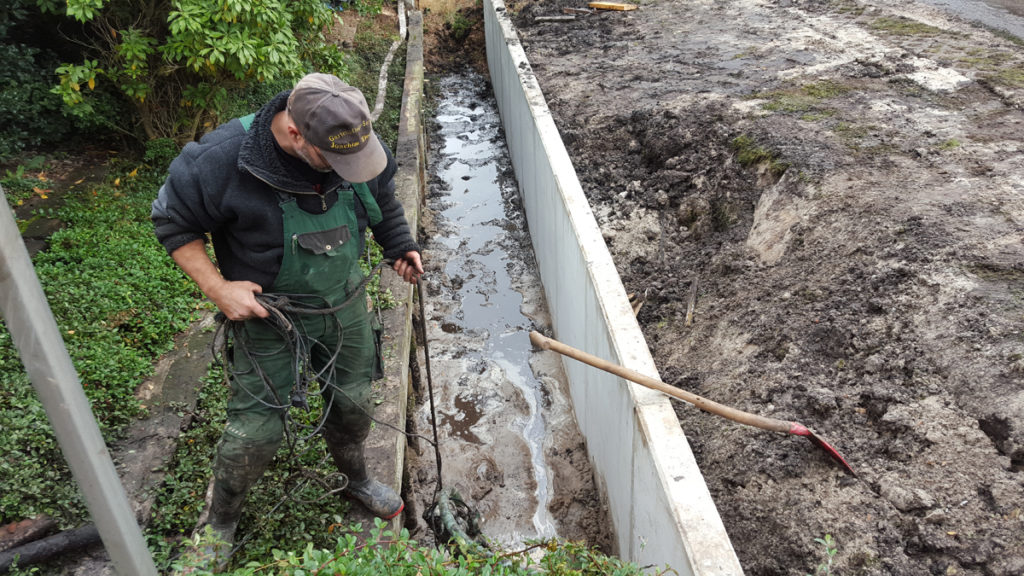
(750, 154)
(950, 144)
(987, 60)
(789, 102)
(848, 7)
(900, 26)
(1012, 77)
(804, 101)
(824, 89)
(851, 131)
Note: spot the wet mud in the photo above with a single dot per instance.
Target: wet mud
(844, 180)
(1005, 15)
(509, 442)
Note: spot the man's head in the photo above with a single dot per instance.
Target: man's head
(334, 117)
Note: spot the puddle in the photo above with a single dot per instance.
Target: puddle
(505, 427)
(1006, 15)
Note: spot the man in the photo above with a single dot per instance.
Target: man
(286, 195)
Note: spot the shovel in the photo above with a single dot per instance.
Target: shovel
(736, 415)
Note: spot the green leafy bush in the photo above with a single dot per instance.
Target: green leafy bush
(385, 552)
(30, 116)
(182, 63)
(368, 7)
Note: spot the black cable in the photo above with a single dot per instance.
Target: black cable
(286, 312)
(430, 385)
(286, 319)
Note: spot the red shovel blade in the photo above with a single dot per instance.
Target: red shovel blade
(801, 430)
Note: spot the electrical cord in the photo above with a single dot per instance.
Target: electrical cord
(449, 516)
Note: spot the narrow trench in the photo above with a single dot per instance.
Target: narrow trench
(509, 442)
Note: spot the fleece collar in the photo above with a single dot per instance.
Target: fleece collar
(261, 157)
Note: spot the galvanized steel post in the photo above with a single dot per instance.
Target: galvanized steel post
(37, 338)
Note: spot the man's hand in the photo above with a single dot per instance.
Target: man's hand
(409, 267)
(237, 300)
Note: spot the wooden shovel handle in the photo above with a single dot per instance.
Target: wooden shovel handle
(541, 341)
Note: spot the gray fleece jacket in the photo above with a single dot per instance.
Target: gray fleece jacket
(228, 184)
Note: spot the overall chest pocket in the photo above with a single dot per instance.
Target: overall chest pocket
(328, 242)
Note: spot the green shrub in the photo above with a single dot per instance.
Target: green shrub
(385, 552)
(459, 27)
(30, 116)
(160, 152)
(181, 64)
(368, 7)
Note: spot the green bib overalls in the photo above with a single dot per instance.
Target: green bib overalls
(321, 263)
(321, 259)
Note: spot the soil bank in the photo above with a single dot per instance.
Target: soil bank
(844, 180)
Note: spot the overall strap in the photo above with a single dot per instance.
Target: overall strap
(247, 121)
(366, 197)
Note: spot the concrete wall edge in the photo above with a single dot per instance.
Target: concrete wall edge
(665, 487)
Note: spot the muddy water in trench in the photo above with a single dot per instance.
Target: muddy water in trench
(509, 443)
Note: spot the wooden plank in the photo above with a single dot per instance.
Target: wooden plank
(17, 533)
(612, 6)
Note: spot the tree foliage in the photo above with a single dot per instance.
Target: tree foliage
(179, 61)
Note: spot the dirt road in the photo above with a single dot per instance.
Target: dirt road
(845, 182)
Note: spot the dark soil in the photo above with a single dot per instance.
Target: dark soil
(844, 180)
(453, 37)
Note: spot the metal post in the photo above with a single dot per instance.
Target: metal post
(37, 338)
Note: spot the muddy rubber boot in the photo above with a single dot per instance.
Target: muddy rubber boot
(233, 476)
(376, 497)
(222, 520)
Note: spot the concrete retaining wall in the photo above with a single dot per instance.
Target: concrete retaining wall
(386, 446)
(660, 505)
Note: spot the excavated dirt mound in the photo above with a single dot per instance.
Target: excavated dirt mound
(844, 181)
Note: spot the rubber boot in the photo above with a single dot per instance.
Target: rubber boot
(233, 475)
(376, 497)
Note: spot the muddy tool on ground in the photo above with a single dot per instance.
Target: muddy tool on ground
(734, 414)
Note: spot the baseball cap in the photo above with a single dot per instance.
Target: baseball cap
(334, 117)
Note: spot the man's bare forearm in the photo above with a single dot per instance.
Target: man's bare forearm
(237, 300)
(194, 261)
